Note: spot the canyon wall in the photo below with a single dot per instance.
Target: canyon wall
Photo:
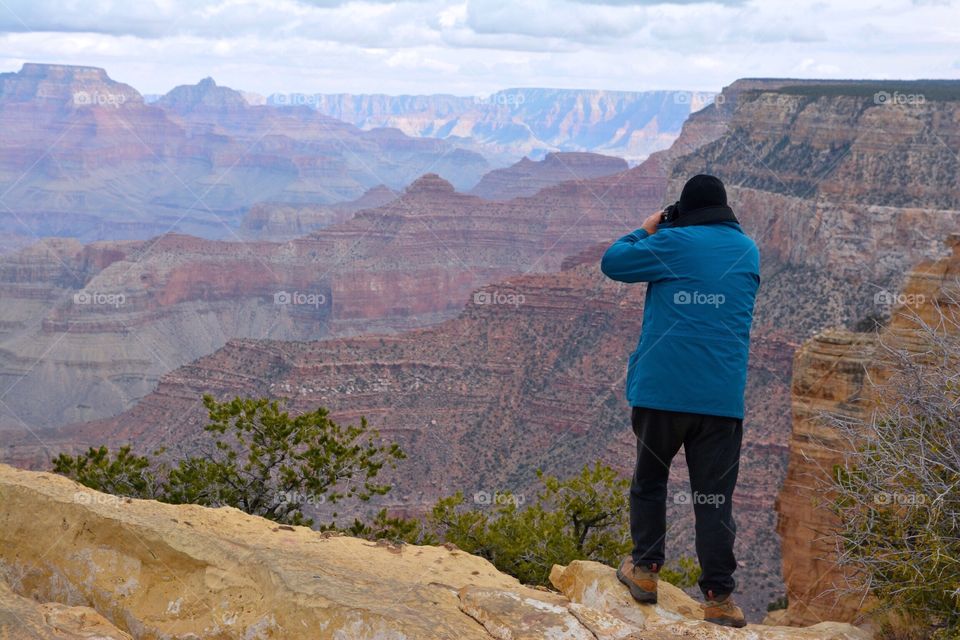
(840, 373)
(526, 177)
(512, 123)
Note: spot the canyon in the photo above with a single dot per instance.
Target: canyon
(529, 374)
(86, 330)
(511, 123)
(526, 177)
(84, 156)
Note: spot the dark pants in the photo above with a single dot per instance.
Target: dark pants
(712, 448)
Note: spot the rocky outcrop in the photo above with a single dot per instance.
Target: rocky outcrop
(512, 123)
(155, 570)
(22, 617)
(837, 373)
(526, 177)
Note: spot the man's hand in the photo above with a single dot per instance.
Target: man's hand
(650, 224)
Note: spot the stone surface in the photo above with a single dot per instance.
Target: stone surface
(187, 572)
(595, 586)
(23, 618)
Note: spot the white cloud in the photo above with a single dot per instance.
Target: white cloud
(476, 46)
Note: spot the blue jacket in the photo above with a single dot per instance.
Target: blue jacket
(693, 349)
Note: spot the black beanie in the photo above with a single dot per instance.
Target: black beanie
(702, 191)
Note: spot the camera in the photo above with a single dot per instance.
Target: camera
(671, 212)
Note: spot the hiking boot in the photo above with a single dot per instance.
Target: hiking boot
(721, 610)
(641, 581)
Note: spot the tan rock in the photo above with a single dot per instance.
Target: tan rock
(163, 570)
(833, 372)
(507, 615)
(595, 585)
(117, 568)
(676, 614)
(25, 618)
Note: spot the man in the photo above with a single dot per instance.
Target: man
(686, 379)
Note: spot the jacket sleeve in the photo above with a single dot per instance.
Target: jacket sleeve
(640, 257)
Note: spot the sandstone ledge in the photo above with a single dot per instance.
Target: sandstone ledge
(107, 567)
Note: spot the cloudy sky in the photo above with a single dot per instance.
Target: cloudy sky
(473, 47)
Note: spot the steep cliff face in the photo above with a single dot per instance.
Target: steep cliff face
(512, 123)
(83, 156)
(84, 331)
(98, 566)
(832, 166)
(836, 373)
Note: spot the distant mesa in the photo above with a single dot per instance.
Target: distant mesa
(71, 85)
(204, 94)
(526, 177)
(430, 184)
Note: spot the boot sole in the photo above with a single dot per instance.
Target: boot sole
(727, 622)
(640, 595)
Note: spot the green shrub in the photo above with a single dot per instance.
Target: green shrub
(263, 462)
(581, 518)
